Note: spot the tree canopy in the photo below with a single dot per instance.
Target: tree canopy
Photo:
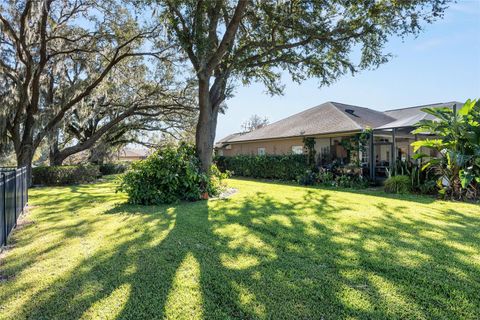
(249, 40)
(64, 58)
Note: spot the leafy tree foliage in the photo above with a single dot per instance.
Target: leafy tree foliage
(54, 55)
(458, 146)
(249, 40)
(254, 122)
(309, 143)
(118, 112)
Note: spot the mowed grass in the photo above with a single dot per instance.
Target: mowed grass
(271, 251)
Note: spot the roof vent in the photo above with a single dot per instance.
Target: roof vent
(351, 112)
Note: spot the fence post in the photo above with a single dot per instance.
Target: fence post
(25, 183)
(20, 179)
(22, 190)
(15, 197)
(4, 205)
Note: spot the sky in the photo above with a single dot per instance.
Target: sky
(441, 64)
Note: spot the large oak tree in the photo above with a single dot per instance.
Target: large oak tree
(136, 97)
(52, 48)
(255, 40)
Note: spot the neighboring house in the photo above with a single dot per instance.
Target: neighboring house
(127, 154)
(330, 123)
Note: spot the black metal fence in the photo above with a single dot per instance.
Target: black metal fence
(13, 199)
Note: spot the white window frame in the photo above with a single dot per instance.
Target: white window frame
(297, 149)
(261, 151)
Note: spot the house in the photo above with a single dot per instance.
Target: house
(128, 154)
(331, 123)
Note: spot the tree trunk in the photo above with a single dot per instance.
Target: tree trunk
(24, 159)
(98, 154)
(206, 126)
(56, 158)
(54, 152)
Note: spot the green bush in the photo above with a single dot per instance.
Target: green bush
(326, 178)
(215, 183)
(169, 175)
(291, 167)
(429, 187)
(309, 178)
(65, 175)
(398, 184)
(350, 181)
(278, 167)
(113, 168)
(422, 181)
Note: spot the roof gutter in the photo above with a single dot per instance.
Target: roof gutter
(315, 135)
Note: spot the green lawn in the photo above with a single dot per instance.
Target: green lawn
(271, 251)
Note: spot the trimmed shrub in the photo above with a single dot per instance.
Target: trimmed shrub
(113, 168)
(169, 175)
(350, 181)
(65, 175)
(309, 178)
(398, 184)
(278, 167)
(326, 178)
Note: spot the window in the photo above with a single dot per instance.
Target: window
(220, 153)
(297, 149)
(261, 151)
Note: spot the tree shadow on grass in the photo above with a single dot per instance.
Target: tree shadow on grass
(262, 257)
(376, 192)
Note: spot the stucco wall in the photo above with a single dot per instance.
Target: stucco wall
(271, 147)
(283, 146)
(322, 146)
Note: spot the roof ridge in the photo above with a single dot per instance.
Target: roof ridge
(365, 108)
(351, 105)
(422, 105)
(343, 114)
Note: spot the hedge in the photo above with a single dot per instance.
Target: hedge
(64, 175)
(113, 168)
(278, 167)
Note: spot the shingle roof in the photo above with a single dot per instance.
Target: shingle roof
(408, 117)
(402, 113)
(127, 152)
(220, 143)
(334, 117)
(329, 117)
